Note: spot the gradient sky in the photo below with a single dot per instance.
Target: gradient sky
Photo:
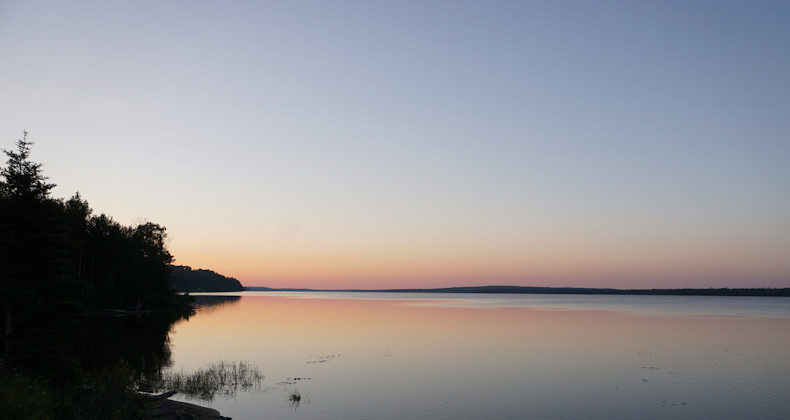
(371, 144)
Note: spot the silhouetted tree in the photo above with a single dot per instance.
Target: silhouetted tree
(185, 279)
(59, 267)
(57, 260)
(33, 248)
(21, 178)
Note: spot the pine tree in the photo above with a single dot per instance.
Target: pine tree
(32, 245)
(21, 178)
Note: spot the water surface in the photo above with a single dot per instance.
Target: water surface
(449, 356)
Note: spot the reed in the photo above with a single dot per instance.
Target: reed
(295, 399)
(217, 378)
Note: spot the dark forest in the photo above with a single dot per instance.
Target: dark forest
(61, 268)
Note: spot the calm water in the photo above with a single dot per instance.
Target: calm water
(448, 356)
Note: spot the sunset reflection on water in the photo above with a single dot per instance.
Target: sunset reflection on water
(390, 358)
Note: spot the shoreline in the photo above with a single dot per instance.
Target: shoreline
(161, 407)
(167, 409)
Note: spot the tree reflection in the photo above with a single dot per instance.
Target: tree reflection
(209, 303)
(141, 341)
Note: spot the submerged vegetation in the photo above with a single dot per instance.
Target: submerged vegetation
(61, 267)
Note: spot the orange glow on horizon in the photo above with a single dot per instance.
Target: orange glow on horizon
(470, 263)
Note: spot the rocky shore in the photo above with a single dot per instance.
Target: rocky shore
(163, 408)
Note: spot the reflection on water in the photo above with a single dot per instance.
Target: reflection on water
(418, 357)
(206, 302)
(658, 304)
(141, 341)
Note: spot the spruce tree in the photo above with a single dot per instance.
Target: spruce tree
(32, 250)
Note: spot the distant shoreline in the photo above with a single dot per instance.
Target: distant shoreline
(775, 292)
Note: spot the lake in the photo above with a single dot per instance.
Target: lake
(451, 356)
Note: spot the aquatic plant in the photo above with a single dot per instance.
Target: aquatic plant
(295, 396)
(217, 378)
(295, 399)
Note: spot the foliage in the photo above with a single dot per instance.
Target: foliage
(59, 264)
(126, 266)
(58, 261)
(56, 252)
(23, 178)
(107, 394)
(23, 398)
(104, 394)
(34, 250)
(185, 279)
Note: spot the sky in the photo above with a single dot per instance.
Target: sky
(381, 144)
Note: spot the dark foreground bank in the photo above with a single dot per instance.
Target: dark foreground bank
(166, 409)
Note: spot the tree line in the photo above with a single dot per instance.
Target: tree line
(59, 261)
(186, 279)
(724, 291)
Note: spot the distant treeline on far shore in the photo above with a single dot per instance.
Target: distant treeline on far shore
(598, 291)
(186, 279)
(571, 291)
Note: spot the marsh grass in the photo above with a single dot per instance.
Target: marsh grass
(217, 378)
